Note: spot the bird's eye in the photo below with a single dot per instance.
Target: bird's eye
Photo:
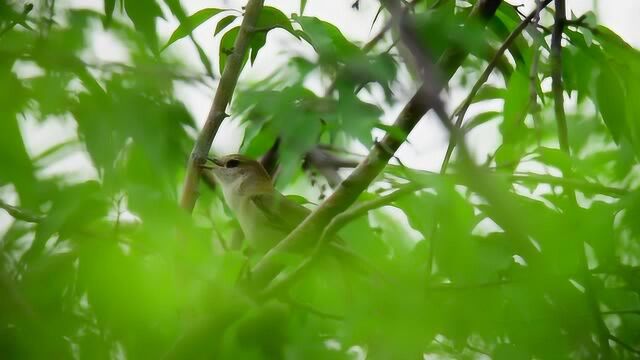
(232, 163)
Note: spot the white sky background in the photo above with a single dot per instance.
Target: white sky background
(426, 143)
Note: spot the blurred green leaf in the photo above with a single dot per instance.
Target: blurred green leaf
(143, 14)
(610, 97)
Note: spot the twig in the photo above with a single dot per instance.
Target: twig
(618, 312)
(348, 191)
(19, 213)
(585, 186)
(334, 226)
(221, 100)
(563, 138)
(312, 310)
(624, 344)
(484, 77)
(556, 75)
(538, 39)
(25, 11)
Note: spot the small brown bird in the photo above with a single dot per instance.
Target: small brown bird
(265, 215)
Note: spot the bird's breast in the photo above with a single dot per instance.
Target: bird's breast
(259, 232)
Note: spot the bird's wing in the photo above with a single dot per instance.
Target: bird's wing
(283, 213)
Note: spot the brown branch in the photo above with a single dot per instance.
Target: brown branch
(348, 191)
(462, 110)
(221, 100)
(556, 75)
(557, 88)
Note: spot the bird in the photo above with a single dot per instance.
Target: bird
(265, 215)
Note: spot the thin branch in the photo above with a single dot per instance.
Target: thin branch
(557, 88)
(348, 191)
(20, 214)
(20, 20)
(221, 100)
(556, 75)
(626, 346)
(538, 39)
(621, 312)
(313, 311)
(462, 110)
(578, 184)
(334, 226)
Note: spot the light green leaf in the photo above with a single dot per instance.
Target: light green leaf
(191, 23)
(610, 98)
(271, 17)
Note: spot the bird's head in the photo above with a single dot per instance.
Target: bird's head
(240, 175)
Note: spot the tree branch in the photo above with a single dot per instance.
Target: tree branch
(624, 345)
(556, 75)
(19, 213)
(349, 190)
(221, 100)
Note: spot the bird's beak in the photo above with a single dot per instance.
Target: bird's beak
(211, 163)
(216, 161)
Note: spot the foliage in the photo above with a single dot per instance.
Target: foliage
(103, 263)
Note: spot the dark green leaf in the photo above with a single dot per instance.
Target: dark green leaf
(109, 6)
(223, 23)
(227, 44)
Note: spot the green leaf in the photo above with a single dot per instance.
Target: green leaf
(516, 104)
(109, 6)
(611, 101)
(303, 4)
(327, 39)
(191, 23)
(271, 17)
(258, 138)
(299, 199)
(257, 42)
(554, 157)
(226, 47)
(393, 131)
(223, 23)
(72, 208)
(143, 14)
(481, 119)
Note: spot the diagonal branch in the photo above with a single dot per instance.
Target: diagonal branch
(348, 191)
(19, 213)
(221, 100)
